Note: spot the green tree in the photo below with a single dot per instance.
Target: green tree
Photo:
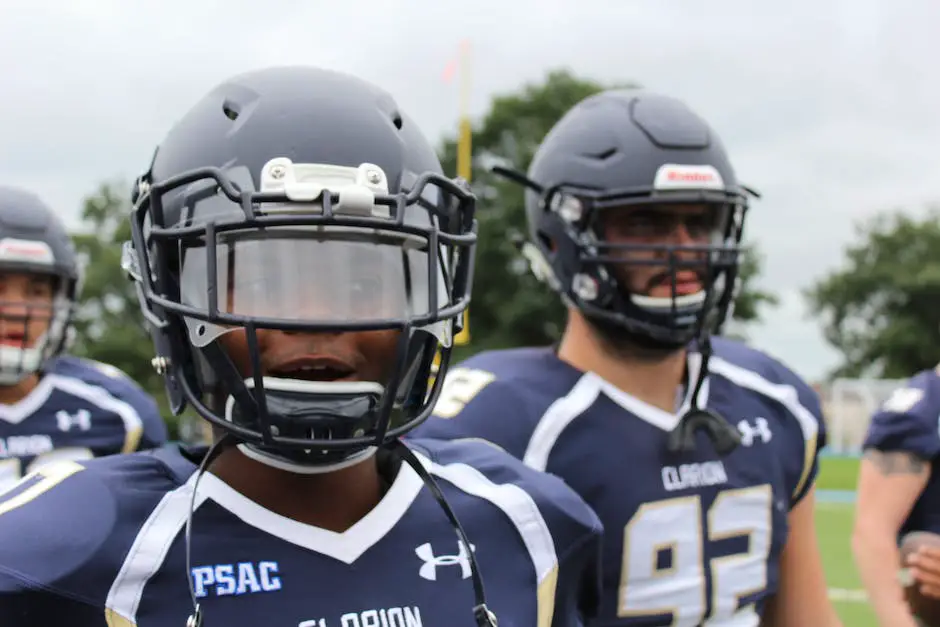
(109, 327)
(510, 308)
(880, 309)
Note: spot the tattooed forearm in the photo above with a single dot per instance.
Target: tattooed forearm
(896, 462)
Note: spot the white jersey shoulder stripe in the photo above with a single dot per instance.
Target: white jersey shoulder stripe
(782, 393)
(101, 398)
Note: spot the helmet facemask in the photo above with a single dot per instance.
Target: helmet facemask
(577, 242)
(308, 260)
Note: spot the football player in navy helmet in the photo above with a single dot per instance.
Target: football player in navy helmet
(52, 405)
(697, 452)
(300, 258)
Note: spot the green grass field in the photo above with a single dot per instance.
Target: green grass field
(834, 525)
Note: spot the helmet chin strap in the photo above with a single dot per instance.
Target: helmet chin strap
(274, 461)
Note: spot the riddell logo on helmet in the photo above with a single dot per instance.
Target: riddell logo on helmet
(12, 249)
(676, 176)
(701, 177)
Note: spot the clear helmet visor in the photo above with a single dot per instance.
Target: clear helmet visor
(318, 275)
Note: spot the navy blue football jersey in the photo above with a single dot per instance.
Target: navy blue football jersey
(910, 421)
(103, 543)
(689, 537)
(80, 409)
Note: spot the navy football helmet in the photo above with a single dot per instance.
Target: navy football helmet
(630, 149)
(279, 187)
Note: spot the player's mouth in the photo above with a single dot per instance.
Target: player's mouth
(314, 368)
(686, 282)
(12, 338)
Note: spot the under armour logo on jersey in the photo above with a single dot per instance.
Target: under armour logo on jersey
(80, 419)
(428, 570)
(760, 429)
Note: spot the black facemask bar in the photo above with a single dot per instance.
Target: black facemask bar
(450, 236)
(457, 232)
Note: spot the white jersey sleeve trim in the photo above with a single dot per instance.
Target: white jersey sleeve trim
(784, 394)
(101, 398)
(523, 512)
(148, 553)
(561, 413)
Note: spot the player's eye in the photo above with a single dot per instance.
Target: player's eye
(700, 225)
(40, 290)
(639, 224)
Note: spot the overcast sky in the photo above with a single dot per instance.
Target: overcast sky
(829, 107)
